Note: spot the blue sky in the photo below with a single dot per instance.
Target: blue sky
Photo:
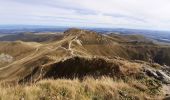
(145, 14)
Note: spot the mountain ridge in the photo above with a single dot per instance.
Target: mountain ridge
(82, 53)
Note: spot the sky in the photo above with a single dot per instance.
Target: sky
(140, 14)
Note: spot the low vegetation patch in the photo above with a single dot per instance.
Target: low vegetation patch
(89, 88)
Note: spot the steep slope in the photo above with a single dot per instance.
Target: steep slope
(151, 53)
(75, 42)
(133, 47)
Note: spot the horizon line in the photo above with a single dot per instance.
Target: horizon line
(83, 27)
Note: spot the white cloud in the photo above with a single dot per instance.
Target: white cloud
(152, 14)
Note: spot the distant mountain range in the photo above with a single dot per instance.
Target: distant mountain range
(161, 36)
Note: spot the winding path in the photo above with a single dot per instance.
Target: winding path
(70, 43)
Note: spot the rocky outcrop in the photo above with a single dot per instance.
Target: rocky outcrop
(157, 74)
(5, 58)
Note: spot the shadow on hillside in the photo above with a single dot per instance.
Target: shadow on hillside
(80, 67)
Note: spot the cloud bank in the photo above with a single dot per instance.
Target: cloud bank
(146, 14)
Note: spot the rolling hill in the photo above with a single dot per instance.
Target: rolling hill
(82, 53)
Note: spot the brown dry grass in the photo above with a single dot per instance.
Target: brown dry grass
(104, 88)
(127, 87)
